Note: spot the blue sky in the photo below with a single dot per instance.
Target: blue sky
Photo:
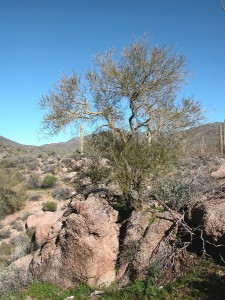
(41, 39)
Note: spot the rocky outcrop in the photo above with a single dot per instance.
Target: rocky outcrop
(41, 224)
(150, 236)
(219, 173)
(209, 213)
(81, 247)
(84, 243)
(131, 233)
(208, 216)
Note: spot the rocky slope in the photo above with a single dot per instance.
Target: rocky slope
(86, 240)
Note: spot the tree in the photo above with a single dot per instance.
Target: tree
(128, 96)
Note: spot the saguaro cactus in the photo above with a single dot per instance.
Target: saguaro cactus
(221, 139)
(224, 136)
(81, 139)
(202, 145)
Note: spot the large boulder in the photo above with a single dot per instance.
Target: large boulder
(219, 173)
(41, 224)
(151, 236)
(209, 214)
(81, 247)
(208, 217)
(131, 232)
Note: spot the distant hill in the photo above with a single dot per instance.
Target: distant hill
(209, 134)
(63, 147)
(7, 142)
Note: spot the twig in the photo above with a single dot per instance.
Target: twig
(223, 7)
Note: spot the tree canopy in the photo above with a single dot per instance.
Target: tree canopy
(131, 93)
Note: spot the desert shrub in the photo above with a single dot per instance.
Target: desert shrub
(130, 165)
(47, 168)
(17, 226)
(8, 163)
(4, 263)
(177, 194)
(33, 165)
(49, 206)
(33, 181)
(22, 246)
(97, 171)
(51, 161)
(55, 170)
(48, 181)
(6, 249)
(35, 197)
(13, 279)
(26, 215)
(1, 225)
(61, 194)
(4, 234)
(11, 199)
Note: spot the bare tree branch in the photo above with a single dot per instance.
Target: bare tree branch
(223, 7)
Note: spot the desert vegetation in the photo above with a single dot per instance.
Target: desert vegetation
(137, 179)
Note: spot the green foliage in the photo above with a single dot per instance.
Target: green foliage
(35, 197)
(130, 164)
(44, 290)
(49, 206)
(22, 245)
(134, 96)
(17, 226)
(61, 193)
(33, 181)
(48, 181)
(4, 234)
(11, 198)
(176, 193)
(205, 281)
(6, 249)
(12, 281)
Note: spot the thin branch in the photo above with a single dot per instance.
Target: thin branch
(223, 7)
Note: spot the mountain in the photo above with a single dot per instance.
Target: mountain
(205, 136)
(6, 142)
(63, 147)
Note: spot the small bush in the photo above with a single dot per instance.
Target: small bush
(22, 246)
(61, 194)
(11, 199)
(55, 170)
(26, 215)
(6, 249)
(33, 165)
(4, 234)
(8, 163)
(33, 181)
(48, 168)
(175, 193)
(35, 197)
(17, 226)
(11, 281)
(49, 206)
(48, 181)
